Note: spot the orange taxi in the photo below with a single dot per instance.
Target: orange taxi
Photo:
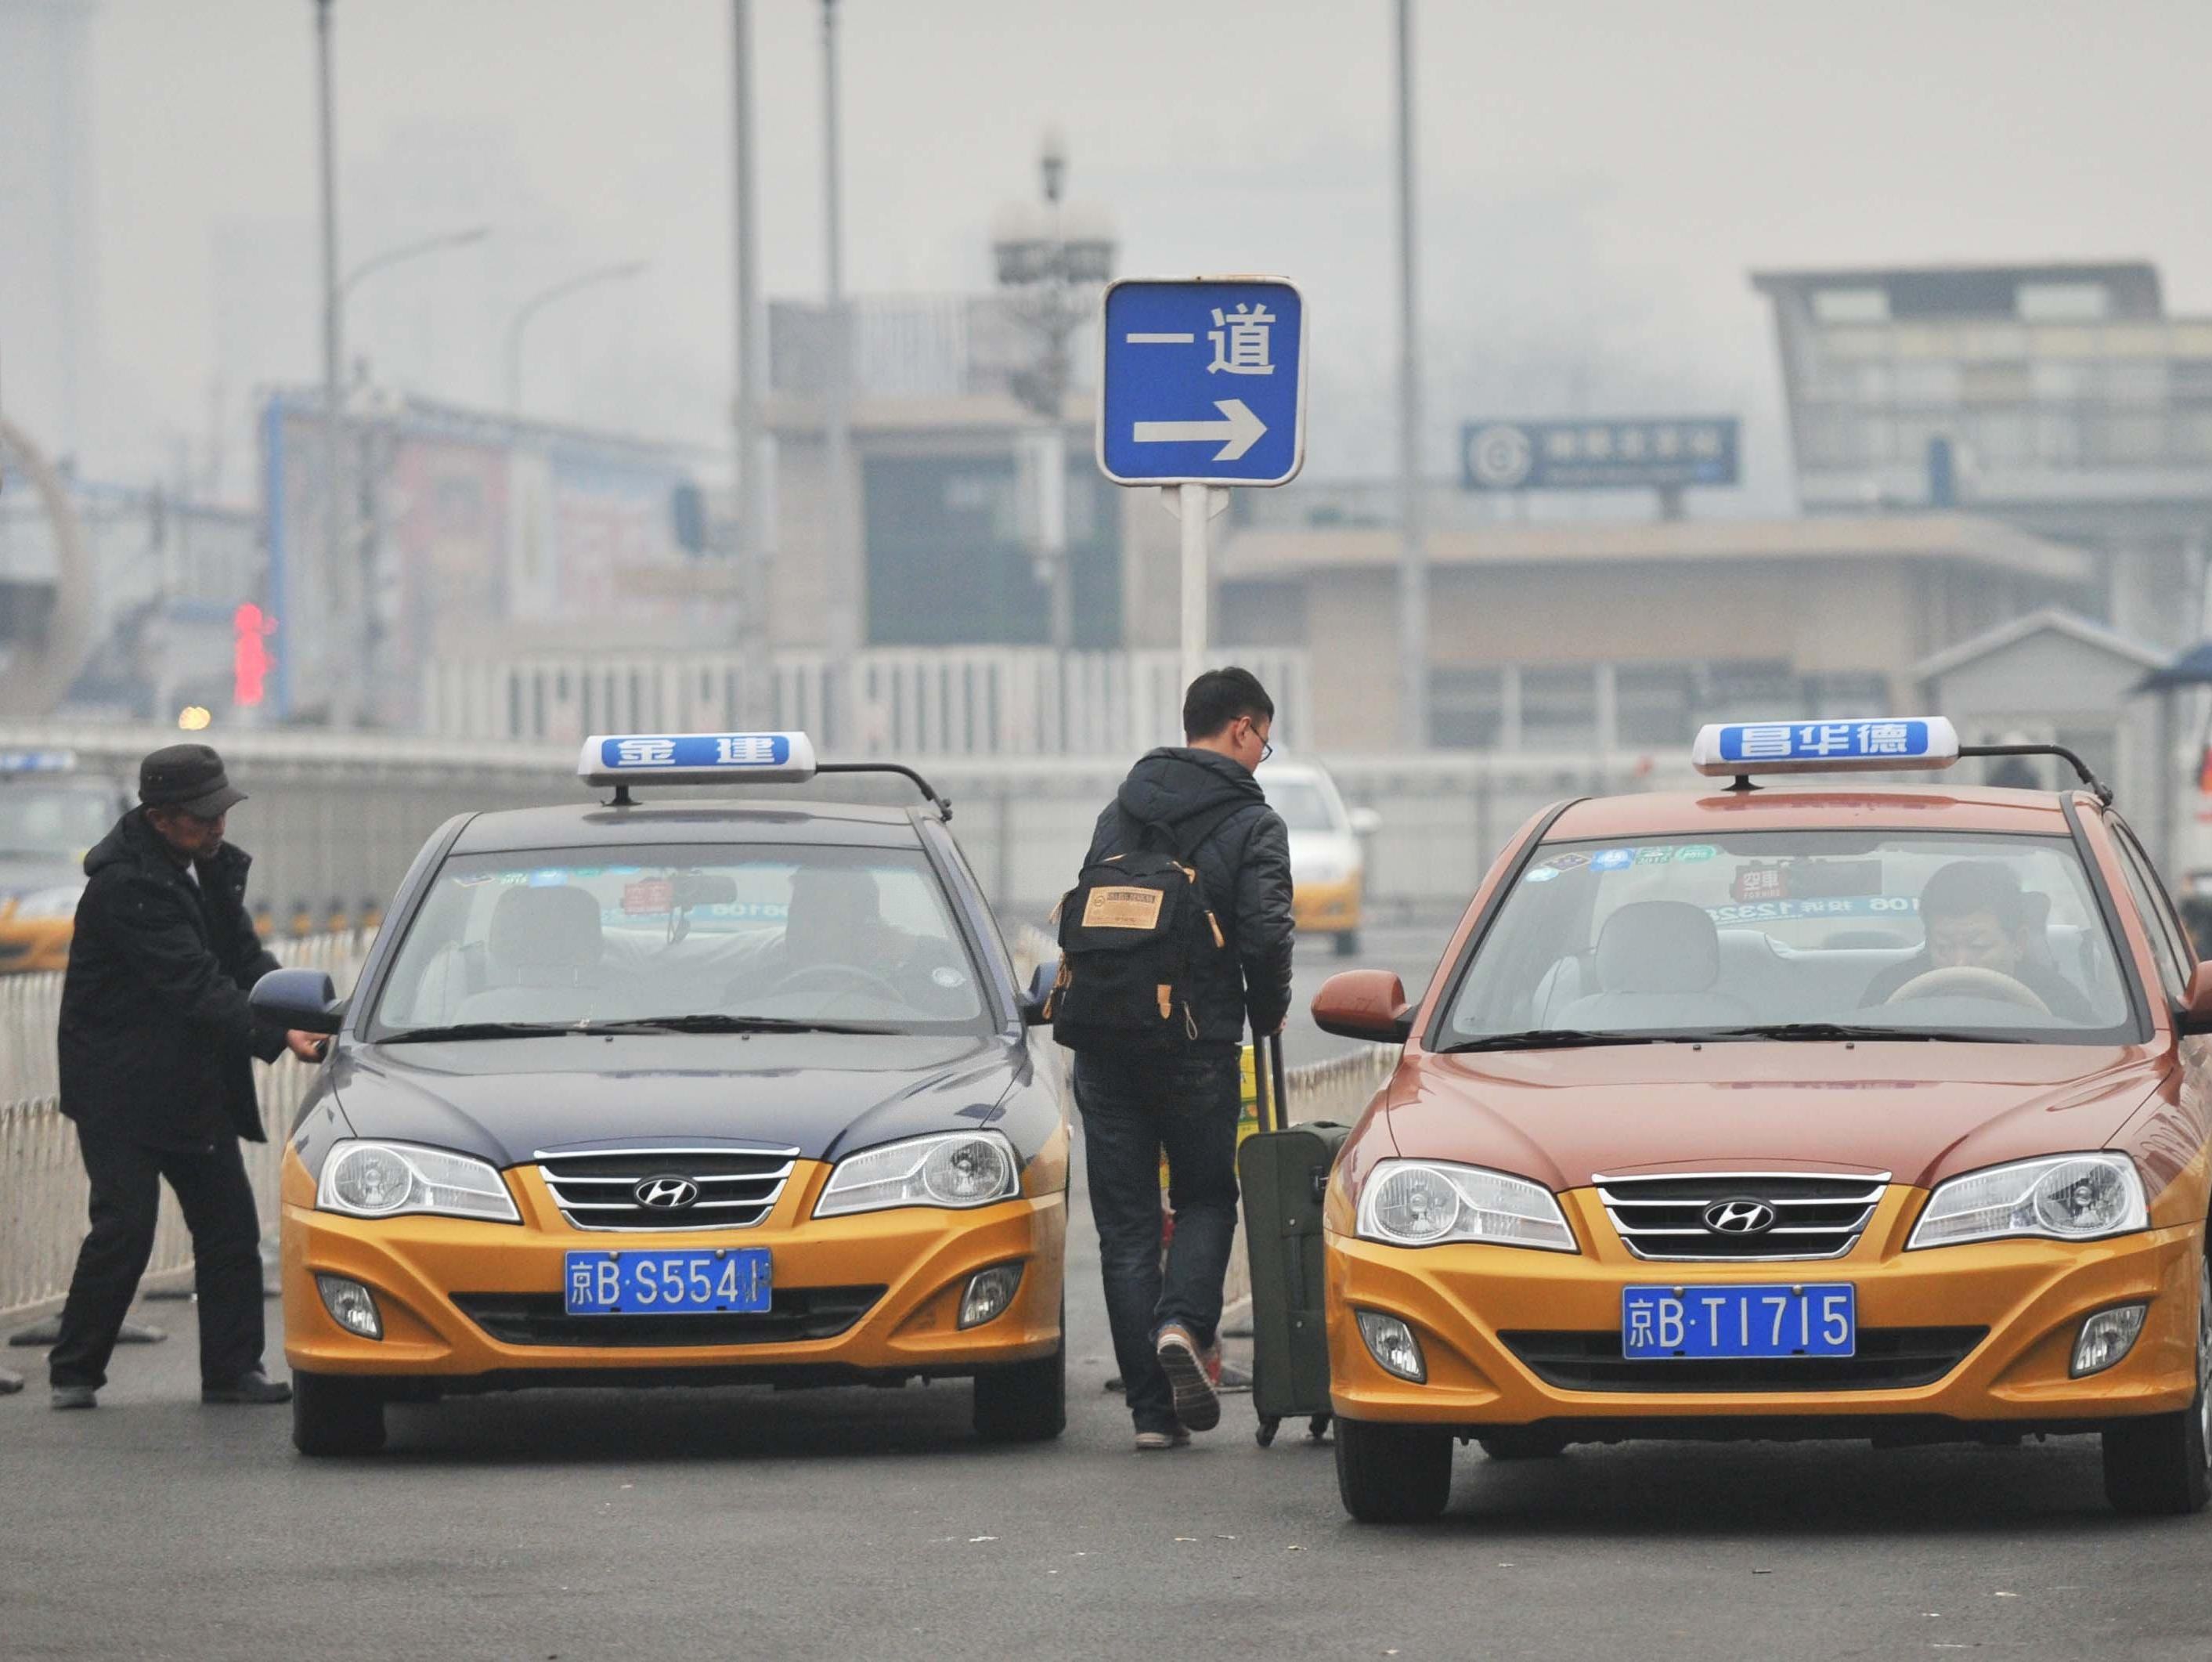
(1857, 1110)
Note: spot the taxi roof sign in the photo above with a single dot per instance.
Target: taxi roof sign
(1880, 745)
(697, 759)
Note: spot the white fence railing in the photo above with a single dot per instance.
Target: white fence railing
(42, 1183)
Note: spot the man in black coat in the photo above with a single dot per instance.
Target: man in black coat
(157, 1046)
(1135, 1104)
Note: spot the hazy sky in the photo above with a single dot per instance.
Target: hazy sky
(1597, 178)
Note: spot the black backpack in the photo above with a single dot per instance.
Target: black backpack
(1133, 932)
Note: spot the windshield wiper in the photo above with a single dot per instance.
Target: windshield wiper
(713, 1023)
(476, 1030)
(1562, 1039)
(1816, 1031)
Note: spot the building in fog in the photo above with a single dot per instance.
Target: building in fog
(2060, 398)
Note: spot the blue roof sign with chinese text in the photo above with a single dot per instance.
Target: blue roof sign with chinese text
(1202, 382)
(1877, 745)
(695, 759)
(1662, 454)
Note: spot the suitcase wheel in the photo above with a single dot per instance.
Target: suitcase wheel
(1264, 1433)
(1317, 1428)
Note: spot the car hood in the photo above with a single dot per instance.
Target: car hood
(504, 1100)
(1919, 1111)
(1322, 849)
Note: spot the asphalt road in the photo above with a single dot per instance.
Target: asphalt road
(851, 1526)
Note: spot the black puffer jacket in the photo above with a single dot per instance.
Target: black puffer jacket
(1245, 864)
(157, 1040)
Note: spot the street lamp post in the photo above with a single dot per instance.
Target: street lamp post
(350, 574)
(538, 302)
(1049, 272)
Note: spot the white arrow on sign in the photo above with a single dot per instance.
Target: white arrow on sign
(1238, 432)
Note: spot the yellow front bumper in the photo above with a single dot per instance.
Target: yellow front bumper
(32, 944)
(2030, 1295)
(921, 1258)
(1326, 907)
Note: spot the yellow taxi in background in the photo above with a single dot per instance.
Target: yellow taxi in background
(50, 814)
(1329, 858)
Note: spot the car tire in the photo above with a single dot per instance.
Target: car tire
(2161, 1466)
(1347, 943)
(334, 1415)
(1390, 1474)
(1521, 1443)
(1025, 1402)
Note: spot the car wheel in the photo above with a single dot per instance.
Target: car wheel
(1392, 1474)
(1521, 1443)
(2162, 1466)
(333, 1415)
(1025, 1402)
(1347, 943)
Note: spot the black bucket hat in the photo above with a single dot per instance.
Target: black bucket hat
(187, 776)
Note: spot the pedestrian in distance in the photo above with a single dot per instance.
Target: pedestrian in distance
(1179, 925)
(157, 1044)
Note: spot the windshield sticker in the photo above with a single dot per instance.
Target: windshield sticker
(947, 977)
(1690, 853)
(1568, 863)
(1541, 875)
(652, 895)
(1657, 854)
(1760, 883)
(551, 878)
(1612, 859)
(1780, 911)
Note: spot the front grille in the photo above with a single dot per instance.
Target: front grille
(598, 1189)
(1818, 1215)
(794, 1314)
(1888, 1359)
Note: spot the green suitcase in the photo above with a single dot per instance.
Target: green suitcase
(1284, 1172)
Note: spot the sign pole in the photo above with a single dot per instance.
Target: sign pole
(1191, 503)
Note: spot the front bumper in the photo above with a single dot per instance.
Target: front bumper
(32, 944)
(2015, 1308)
(1326, 907)
(898, 1275)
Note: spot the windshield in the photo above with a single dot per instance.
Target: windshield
(62, 821)
(1302, 803)
(853, 938)
(1988, 937)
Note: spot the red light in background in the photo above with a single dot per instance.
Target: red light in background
(250, 655)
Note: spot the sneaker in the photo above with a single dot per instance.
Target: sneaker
(1196, 1403)
(256, 1388)
(9, 1383)
(67, 1397)
(1155, 1442)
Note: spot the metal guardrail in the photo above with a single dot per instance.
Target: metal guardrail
(42, 1183)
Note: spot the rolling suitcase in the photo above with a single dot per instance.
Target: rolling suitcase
(1284, 1171)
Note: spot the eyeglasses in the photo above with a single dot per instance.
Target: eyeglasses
(1265, 749)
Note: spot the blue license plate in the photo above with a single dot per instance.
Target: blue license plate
(700, 1281)
(1813, 1318)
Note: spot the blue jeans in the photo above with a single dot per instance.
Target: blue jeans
(1133, 1106)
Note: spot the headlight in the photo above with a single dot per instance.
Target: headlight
(964, 1168)
(2068, 1198)
(1425, 1203)
(49, 903)
(385, 1179)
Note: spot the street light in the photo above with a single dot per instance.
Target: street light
(1049, 259)
(538, 302)
(406, 251)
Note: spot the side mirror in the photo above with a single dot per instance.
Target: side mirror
(1040, 989)
(1366, 822)
(2194, 1015)
(305, 999)
(1367, 1004)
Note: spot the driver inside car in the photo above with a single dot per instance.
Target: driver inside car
(836, 939)
(1975, 915)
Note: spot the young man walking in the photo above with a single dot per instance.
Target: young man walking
(1201, 801)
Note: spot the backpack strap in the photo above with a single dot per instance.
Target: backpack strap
(1196, 831)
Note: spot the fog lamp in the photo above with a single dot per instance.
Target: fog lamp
(2107, 1337)
(1393, 1345)
(989, 1292)
(351, 1305)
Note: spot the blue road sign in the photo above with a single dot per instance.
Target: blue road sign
(1203, 381)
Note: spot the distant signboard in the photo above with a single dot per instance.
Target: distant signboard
(1662, 454)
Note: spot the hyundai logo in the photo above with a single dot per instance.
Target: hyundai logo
(666, 1194)
(1739, 1217)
